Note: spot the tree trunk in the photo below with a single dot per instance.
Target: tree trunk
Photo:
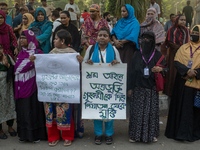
(160, 4)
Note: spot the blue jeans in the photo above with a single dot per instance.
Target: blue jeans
(98, 127)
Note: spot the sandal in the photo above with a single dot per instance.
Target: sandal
(3, 136)
(155, 139)
(98, 139)
(13, 134)
(67, 143)
(108, 140)
(80, 135)
(132, 141)
(54, 143)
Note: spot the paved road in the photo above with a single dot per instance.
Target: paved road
(120, 138)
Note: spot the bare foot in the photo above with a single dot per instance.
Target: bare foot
(10, 129)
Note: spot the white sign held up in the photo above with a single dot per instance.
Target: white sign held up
(104, 91)
(58, 78)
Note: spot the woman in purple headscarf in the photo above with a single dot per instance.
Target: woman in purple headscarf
(30, 112)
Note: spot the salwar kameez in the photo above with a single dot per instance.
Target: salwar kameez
(7, 102)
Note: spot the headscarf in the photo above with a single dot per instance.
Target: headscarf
(4, 33)
(30, 20)
(183, 55)
(178, 35)
(96, 7)
(148, 46)
(136, 77)
(151, 24)
(25, 84)
(110, 54)
(40, 24)
(127, 28)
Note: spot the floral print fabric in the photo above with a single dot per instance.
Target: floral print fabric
(60, 114)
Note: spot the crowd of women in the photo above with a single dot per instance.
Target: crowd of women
(129, 42)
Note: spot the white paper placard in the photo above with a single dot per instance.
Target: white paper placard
(104, 91)
(58, 78)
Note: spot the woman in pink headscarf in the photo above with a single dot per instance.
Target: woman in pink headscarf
(151, 24)
(30, 112)
(7, 37)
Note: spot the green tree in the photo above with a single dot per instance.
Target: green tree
(140, 7)
(111, 7)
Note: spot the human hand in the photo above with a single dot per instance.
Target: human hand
(79, 58)
(32, 58)
(5, 61)
(156, 69)
(114, 62)
(186, 77)
(16, 52)
(192, 73)
(118, 43)
(90, 62)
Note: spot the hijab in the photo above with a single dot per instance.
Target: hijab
(151, 24)
(46, 22)
(148, 47)
(25, 82)
(30, 20)
(183, 55)
(136, 77)
(96, 7)
(4, 33)
(127, 28)
(178, 35)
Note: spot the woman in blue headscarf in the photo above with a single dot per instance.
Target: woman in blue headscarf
(125, 34)
(45, 26)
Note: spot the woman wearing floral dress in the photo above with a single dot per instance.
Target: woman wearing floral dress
(59, 115)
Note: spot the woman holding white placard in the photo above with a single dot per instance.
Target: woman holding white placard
(102, 52)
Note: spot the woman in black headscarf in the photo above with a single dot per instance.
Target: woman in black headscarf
(144, 105)
(66, 25)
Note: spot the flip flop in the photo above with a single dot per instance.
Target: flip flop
(67, 143)
(108, 140)
(54, 143)
(98, 140)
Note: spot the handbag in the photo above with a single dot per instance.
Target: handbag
(160, 80)
(197, 100)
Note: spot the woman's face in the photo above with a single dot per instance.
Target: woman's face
(40, 16)
(25, 20)
(1, 19)
(57, 42)
(195, 33)
(124, 12)
(182, 21)
(94, 14)
(64, 19)
(103, 38)
(23, 41)
(150, 13)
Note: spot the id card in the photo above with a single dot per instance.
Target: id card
(190, 63)
(146, 71)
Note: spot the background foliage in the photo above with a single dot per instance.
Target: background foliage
(114, 6)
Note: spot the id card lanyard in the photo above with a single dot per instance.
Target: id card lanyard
(146, 70)
(190, 62)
